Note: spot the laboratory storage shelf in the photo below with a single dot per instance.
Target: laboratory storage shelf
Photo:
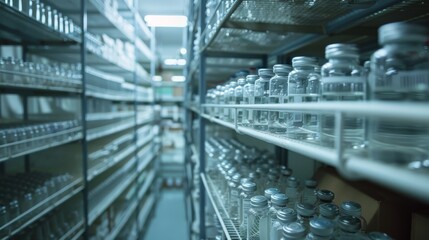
(64, 56)
(146, 210)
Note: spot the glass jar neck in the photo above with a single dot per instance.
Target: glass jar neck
(343, 59)
(304, 68)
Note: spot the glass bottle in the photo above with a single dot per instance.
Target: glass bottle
(297, 93)
(284, 217)
(378, 236)
(343, 79)
(308, 195)
(278, 94)
(350, 208)
(233, 196)
(231, 100)
(218, 94)
(221, 98)
(257, 219)
(269, 192)
(285, 173)
(262, 97)
(320, 229)
(294, 231)
(226, 111)
(249, 98)
(311, 121)
(306, 212)
(238, 94)
(400, 73)
(272, 181)
(330, 212)
(292, 191)
(278, 202)
(248, 190)
(349, 228)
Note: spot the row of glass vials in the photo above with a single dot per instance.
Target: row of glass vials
(398, 72)
(265, 201)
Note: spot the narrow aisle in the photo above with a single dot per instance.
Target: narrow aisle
(169, 221)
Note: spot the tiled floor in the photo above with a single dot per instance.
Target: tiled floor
(169, 221)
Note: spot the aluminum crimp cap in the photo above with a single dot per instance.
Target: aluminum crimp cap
(245, 179)
(304, 61)
(270, 191)
(341, 50)
(321, 227)
(248, 186)
(286, 214)
(292, 182)
(279, 199)
(282, 68)
(294, 230)
(241, 81)
(349, 224)
(259, 201)
(351, 208)
(325, 195)
(310, 183)
(233, 84)
(328, 210)
(379, 236)
(305, 209)
(236, 178)
(251, 78)
(402, 32)
(266, 72)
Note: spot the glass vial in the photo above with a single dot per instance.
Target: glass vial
(308, 195)
(292, 191)
(278, 89)
(350, 208)
(248, 190)
(343, 79)
(349, 228)
(262, 97)
(278, 202)
(399, 73)
(320, 229)
(257, 222)
(238, 94)
(294, 231)
(284, 217)
(249, 98)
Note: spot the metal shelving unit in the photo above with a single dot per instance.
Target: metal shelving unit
(103, 76)
(244, 34)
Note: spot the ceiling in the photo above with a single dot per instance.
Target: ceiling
(168, 40)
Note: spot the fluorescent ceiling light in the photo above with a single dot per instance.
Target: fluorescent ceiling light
(183, 51)
(157, 78)
(175, 62)
(166, 20)
(178, 78)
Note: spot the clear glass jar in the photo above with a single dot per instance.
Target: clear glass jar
(297, 93)
(218, 100)
(238, 94)
(292, 191)
(269, 192)
(248, 190)
(249, 98)
(278, 202)
(343, 79)
(308, 194)
(278, 89)
(257, 219)
(400, 73)
(294, 231)
(221, 98)
(320, 229)
(233, 196)
(231, 100)
(350, 208)
(262, 94)
(306, 212)
(349, 228)
(284, 217)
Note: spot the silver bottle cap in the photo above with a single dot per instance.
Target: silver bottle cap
(270, 191)
(233, 84)
(325, 195)
(349, 224)
(279, 199)
(292, 182)
(248, 187)
(259, 201)
(310, 183)
(251, 78)
(245, 179)
(378, 236)
(286, 214)
(328, 210)
(305, 209)
(294, 230)
(321, 227)
(282, 68)
(286, 171)
(341, 50)
(265, 72)
(351, 208)
(304, 61)
(402, 32)
(241, 81)
(236, 178)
